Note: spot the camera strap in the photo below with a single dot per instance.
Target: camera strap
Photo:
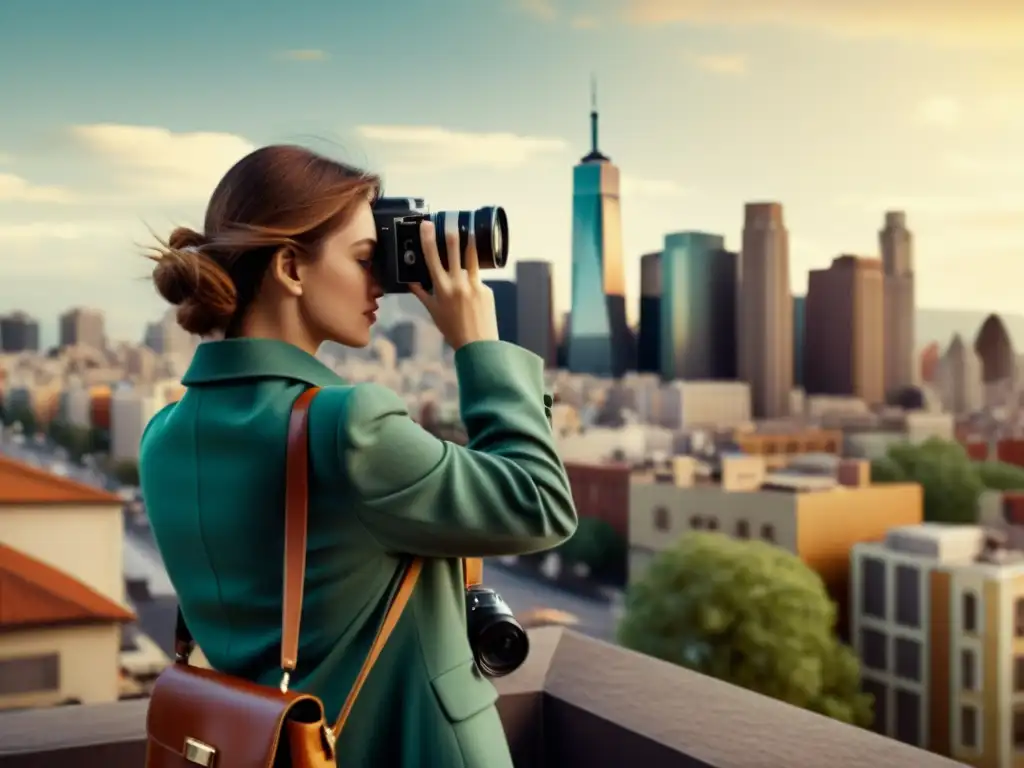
(473, 569)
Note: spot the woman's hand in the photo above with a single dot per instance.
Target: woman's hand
(461, 306)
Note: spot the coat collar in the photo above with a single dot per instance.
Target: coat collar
(236, 359)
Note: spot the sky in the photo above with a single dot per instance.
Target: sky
(119, 118)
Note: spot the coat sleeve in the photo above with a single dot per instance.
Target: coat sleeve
(505, 492)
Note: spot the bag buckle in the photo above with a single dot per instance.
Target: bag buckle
(198, 753)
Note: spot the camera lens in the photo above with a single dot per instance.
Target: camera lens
(487, 226)
(499, 642)
(501, 648)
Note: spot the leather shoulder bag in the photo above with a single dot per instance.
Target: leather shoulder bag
(199, 717)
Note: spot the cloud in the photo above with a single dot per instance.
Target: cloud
(976, 166)
(584, 22)
(721, 64)
(946, 207)
(539, 9)
(980, 23)
(156, 162)
(15, 189)
(939, 111)
(36, 231)
(305, 54)
(432, 148)
(636, 187)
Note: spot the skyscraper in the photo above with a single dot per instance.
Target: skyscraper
(505, 307)
(765, 311)
(648, 342)
(896, 244)
(844, 330)
(698, 308)
(599, 338)
(535, 319)
(799, 340)
(19, 333)
(84, 327)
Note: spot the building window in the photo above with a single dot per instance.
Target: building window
(873, 650)
(970, 611)
(880, 694)
(969, 727)
(697, 522)
(1018, 730)
(29, 674)
(768, 532)
(908, 596)
(743, 529)
(712, 524)
(661, 518)
(1018, 674)
(872, 587)
(1018, 613)
(968, 670)
(908, 659)
(908, 717)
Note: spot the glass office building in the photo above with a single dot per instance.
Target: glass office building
(698, 308)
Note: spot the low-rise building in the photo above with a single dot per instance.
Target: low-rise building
(817, 518)
(62, 601)
(938, 623)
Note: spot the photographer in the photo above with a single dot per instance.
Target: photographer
(286, 260)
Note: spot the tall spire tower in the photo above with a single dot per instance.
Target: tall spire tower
(599, 342)
(595, 154)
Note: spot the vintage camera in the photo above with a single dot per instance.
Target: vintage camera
(398, 260)
(499, 642)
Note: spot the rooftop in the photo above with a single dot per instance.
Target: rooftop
(21, 483)
(576, 702)
(35, 594)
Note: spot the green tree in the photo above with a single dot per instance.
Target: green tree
(126, 472)
(21, 414)
(948, 478)
(885, 470)
(748, 613)
(1000, 476)
(599, 546)
(76, 440)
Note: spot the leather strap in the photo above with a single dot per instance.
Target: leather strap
(296, 506)
(394, 613)
(473, 571)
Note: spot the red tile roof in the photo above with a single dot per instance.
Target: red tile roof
(34, 594)
(22, 483)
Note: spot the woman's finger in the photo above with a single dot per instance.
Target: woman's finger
(451, 239)
(431, 256)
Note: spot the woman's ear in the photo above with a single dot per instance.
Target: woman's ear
(285, 269)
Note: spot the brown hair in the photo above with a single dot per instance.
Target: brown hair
(276, 197)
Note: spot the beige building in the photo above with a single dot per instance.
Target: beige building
(844, 337)
(764, 322)
(938, 622)
(958, 378)
(62, 599)
(896, 244)
(83, 327)
(818, 518)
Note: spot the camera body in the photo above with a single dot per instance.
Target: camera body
(398, 259)
(499, 642)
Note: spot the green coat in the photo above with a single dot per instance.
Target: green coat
(212, 475)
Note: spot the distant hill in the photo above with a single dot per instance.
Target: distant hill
(940, 325)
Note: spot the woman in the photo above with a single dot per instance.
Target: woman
(282, 265)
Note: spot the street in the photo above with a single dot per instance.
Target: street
(142, 562)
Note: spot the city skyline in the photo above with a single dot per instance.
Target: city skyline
(110, 138)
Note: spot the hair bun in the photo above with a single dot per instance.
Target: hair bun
(194, 282)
